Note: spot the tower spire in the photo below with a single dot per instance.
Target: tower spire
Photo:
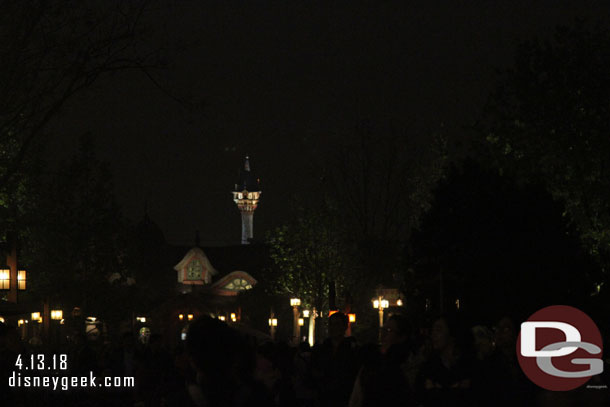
(246, 195)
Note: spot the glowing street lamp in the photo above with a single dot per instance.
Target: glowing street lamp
(272, 326)
(306, 314)
(296, 328)
(352, 318)
(180, 317)
(380, 304)
(312, 325)
(399, 302)
(190, 317)
(57, 315)
(233, 317)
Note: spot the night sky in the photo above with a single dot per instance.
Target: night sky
(283, 81)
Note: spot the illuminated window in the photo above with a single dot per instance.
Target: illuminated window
(5, 278)
(194, 270)
(21, 279)
(239, 284)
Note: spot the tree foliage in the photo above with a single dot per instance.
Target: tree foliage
(307, 254)
(548, 121)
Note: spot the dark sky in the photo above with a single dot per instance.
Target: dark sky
(282, 81)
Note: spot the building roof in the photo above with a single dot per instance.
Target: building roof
(251, 258)
(195, 252)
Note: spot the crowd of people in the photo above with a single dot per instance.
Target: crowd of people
(447, 363)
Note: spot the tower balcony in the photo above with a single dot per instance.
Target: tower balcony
(246, 200)
(246, 195)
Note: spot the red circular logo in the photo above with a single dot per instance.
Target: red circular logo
(559, 348)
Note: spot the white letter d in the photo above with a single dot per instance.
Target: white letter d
(528, 338)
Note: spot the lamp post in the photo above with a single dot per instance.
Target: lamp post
(11, 260)
(380, 304)
(307, 314)
(36, 321)
(57, 315)
(272, 326)
(23, 324)
(312, 315)
(296, 329)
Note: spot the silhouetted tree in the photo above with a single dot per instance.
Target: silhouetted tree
(50, 51)
(75, 240)
(500, 247)
(548, 121)
(380, 182)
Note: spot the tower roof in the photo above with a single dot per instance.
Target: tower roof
(247, 180)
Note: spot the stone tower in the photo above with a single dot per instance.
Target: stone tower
(246, 195)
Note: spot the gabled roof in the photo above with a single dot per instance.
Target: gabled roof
(220, 286)
(196, 252)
